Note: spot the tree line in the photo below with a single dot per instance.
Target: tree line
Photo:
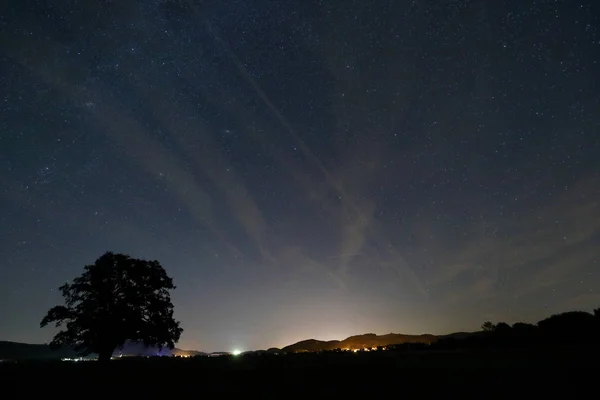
(568, 328)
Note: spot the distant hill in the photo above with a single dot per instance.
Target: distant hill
(310, 345)
(368, 340)
(23, 351)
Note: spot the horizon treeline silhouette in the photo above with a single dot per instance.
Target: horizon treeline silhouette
(567, 328)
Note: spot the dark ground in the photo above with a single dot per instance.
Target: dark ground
(499, 372)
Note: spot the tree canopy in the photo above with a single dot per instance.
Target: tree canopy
(115, 300)
(488, 326)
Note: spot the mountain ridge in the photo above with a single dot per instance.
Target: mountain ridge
(367, 340)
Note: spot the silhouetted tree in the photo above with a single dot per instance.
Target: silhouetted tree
(488, 326)
(521, 326)
(569, 326)
(523, 329)
(502, 328)
(597, 313)
(116, 299)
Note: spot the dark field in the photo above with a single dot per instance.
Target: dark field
(341, 373)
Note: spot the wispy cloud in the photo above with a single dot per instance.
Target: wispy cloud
(196, 140)
(546, 249)
(116, 121)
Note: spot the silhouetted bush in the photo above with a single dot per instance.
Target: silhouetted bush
(569, 327)
(573, 326)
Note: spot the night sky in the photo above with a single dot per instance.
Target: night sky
(304, 169)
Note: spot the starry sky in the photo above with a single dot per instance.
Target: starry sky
(304, 169)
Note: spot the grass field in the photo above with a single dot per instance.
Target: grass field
(340, 373)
